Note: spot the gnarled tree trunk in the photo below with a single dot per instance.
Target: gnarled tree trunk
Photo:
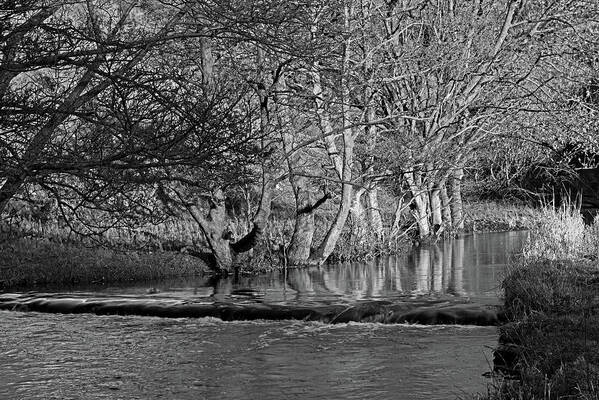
(303, 231)
(298, 252)
(223, 253)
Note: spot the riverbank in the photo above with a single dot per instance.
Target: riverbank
(549, 347)
(551, 343)
(26, 263)
(34, 254)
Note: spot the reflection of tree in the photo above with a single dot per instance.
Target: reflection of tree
(439, 268)
(457, 263)
(423, 267)
(379, 275)
(222, 287)
(394, 271)
(333, 283)
(437, 261)
(448, 263)
(301, 281)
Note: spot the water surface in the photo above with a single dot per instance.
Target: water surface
(46, 356)
(470, 266)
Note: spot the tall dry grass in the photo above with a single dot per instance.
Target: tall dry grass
(493, 216)
(560, 233)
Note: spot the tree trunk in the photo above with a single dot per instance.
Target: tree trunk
(420, 205)
(445, 205)
(358, 217)
(397, 218)
(457, 213)
(342, 161)
(327, 246)
(435, 197)
(299, 249)
(374, 213)
(303, 232)
(420, 214)
(223, 252)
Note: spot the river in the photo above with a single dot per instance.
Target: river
(85, 356)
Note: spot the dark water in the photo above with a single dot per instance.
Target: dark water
(44, 356)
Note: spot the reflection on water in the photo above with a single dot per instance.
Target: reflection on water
(468, 266)
(46, 356)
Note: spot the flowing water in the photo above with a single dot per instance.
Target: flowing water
(49, 356)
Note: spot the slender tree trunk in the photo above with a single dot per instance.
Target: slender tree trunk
(435, 196)
(300, 246)
(397, 218)
(445, 205)
(369, 98)
(457, 213)
(421, 215)
(342, 160)
(358, 217)
(374, 213)
(420, 205)
(328, 244)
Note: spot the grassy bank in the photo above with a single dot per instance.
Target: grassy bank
(29, 262)
(551, 343)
